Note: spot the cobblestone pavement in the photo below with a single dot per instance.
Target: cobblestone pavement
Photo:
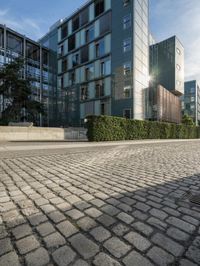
(104, 206)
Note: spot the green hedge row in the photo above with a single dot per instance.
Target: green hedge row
(109, 128)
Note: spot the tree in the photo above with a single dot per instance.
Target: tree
(187, 120)
(16, 93)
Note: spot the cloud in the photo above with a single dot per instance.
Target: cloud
(26, 26)
(181, 18)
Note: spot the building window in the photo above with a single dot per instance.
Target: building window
(71, 42)
(178, 51)
(99, 7)
(84, 17)
(102, 69)
(99, 89)
(127, 45)
(127, 113)
(75, 23)
(72, 77)
(84, 54)
(75, 60)
(102, 108)
(89, 72)
(100, 48)
(127, 69)
(105, 23)
(126, 2)
(64, 31)
(64, 65)
(84, 93)
(127, 21)
(89, 34)
(127, 92)
(61, 50)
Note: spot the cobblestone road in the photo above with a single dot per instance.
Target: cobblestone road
(104, 206)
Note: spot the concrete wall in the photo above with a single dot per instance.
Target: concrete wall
(38, 133)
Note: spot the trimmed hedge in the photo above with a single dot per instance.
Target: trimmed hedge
(109, 128)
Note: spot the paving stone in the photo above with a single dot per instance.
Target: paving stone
(82, 205)
(193, 253)
(159, 214)
(84, 246)
(140, 215)
(136, 259)
(37, 218)
(189, 228)
(169, 245)
(93, 212)
(106, 220)
(160, 257)
(138, 241)
(67, 229)
(196, 242)
(9, 259)
(124, 217)
(103, 259)
(120, 229)
(56, 216)
(171, 211)
(177, 234)
(5, 246)
(39, 257)
(63, 256)
(27, 244)
(116, 247)
(45, 229)
(97, 202)
(142, 206)
(22, 231)
(191, 220)
(48, 208)
(3, 232)
(125, 207)
(80, 263)
(100, 233)
(185, 262)
(109, 209)
(54, 240)
(74, 214)
(157, 223)
(143, 228)
(86, 223)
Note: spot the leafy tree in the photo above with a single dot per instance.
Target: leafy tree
(16, 91)
(187, 120)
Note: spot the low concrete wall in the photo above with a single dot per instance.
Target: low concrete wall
(8, 133)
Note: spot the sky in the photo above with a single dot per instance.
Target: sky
(167, 18)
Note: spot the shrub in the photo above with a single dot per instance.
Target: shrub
(109, 128)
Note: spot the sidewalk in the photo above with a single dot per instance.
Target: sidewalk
(20, 146)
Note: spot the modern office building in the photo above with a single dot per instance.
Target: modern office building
(191, 100)
(13, 45)
(167, 65)
(166, 81)
(103, 60)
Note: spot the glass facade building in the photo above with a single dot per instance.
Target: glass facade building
(191, 100)
(103, 60)
(13, 45)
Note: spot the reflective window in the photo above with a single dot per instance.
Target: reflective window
(14, 43)
(89, 34)
(127, 68)
(75, 23)
(126, 2)
(105, 23)
(127, 92)
(71, 42)
(1, 38)
(64, 31)
(99, 89)
(127, 21)
(89, 72)
(84, 92)
(100, 48)
(84, 17)
(75, 60)
(84, 54)
(127, 45)
(99, 7)
(64, 65)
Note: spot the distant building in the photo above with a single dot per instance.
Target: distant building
(191, 100)
(103, 60)
(13, 45)
(167, 65)
(166, 81)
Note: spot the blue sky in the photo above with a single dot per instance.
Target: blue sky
(167, 18)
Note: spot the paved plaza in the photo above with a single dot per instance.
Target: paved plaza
(125, 204)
